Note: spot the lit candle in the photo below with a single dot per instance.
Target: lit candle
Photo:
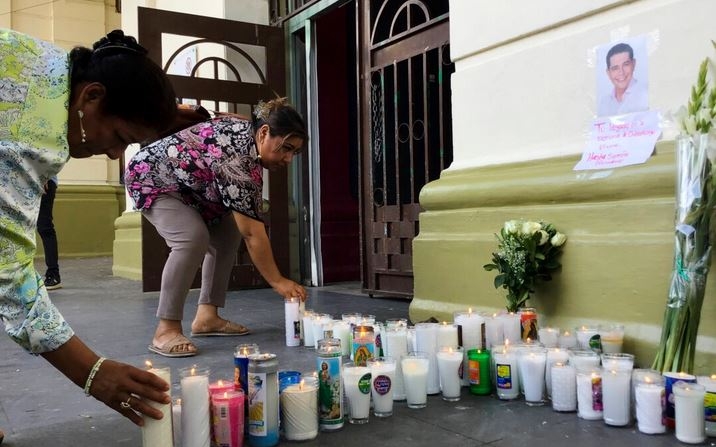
(382, 372)
(532, 365)
(670, 378)
(478, 371)
(356, 385)
(470, 332)
(415, 366)
(227, 410)
(176, 421)
(528, 323)
(588, 338)
(554, 355)
(410, 331)
(292, 322)
(589, 394)
(299, 411)
(612, 337)
(447, 335)
(563, 386)
(549, 336)
(363, 344)
(507, 380)
(449, 362)
(220, 386)
(426, 340)
(649, 397)
(689, 412)
(512, 327)
(158, 433)
(342, 331)
(616, 389)
(195, 406)
(584, 359)
(319, 320)
(709, 403)
(307, 324)
(494, 331)
(618, 360)
(567, 340)
(396, 345)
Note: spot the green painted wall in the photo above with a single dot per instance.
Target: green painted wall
(616, 263)
(84, 218)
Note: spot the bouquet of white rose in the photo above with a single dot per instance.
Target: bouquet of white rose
(527, 253)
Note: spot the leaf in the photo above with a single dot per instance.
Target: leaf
(489, 267)
(499, 281)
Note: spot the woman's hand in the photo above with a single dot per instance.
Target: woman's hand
(118, 383)
(287, 289)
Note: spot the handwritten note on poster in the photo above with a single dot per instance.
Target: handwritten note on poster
(621, 140)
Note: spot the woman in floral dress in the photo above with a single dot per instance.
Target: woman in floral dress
(201, 189)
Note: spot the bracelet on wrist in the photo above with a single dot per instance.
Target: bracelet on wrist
(92, 373)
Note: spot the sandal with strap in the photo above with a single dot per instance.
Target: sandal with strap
(170, 348)
(230, 329)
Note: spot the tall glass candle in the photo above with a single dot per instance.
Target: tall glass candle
(158, 433)
(564, 387)
(528, 323)
(227, 411)
(447, 335)
(618, 360)
(195, 422)
(549, 337)
(588, 338)
(639, 375)
(363, 344)
(494, 331)
(478, 371)
(307, 328)
(567, 340)
(449, 366)
(589, 394)
(299, 411)
(670, 378)
(263, 400)
(330, 390)
(221, 386)
(382, 373)
(709, 403)
(584, 359)
(342, 331)
(554, 355)
(616, 393)
(689, 412)
(356, 386)
(415, 366)
(532, 370)
(507, 380)
(426, 340)
(649, 396)
(176, 421)
(318, 322)
(471, 327)
(396, 345)
(612, 337)
(292, 321)
(512, 327)
(241, 365)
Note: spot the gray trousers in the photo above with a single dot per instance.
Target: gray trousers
(191, 240)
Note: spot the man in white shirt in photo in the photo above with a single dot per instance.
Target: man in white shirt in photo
(628, 95)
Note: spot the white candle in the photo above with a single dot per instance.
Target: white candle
(554, 355)
(292, 321)
(494, 331)
(649, 398)
(619, 361)
(299, 411)
(689, 412)
(396, 345)
(319, 320)
(195, 407)
(532, 371)
(507, 381)
(616, 392)
(589, 394)
(567, 340)
(449, 362)
(670, 378)
(342, 331)
(709, 403)
(426, 340)
(512, 327)
(585, 334)
(549, 336)
(176, 421)
(158, 433)
(447, 335)
(564, 387)
(584, 360)
(415, 366)
(307, 320)
(411, 338)
(382, 372)
(471, 328)
(356, 385)
(612, 338)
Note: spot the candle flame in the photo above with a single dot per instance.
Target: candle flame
(713, 376)
(494, 315)
(647, 379)
(560, 364)
(566, 333)
(469, 311)
(445, 323)
(148, 364)
(529, 340)
(226, 394)
(507, 342)
(220, 382)
(300, 384)
(193, 371)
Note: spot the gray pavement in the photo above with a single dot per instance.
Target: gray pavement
(39, 407)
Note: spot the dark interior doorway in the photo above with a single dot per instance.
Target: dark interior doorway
(336, 64)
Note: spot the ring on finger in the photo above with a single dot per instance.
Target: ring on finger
(126, 405)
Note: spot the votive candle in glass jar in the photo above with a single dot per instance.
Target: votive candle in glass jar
(618, 360)
(299, 410)
(263, 400)
(426, 340)
(612, 337)
(363, 344)
(415, 366)
(584, 359)
(709, 403)
(589, 394)
(196, 425)
(330, 390)
(532, 365)
(554, 355)
(396, 345)
(528, 323)
(689, 412)
(670, 378)
(564, 387)
(649, 397)
(449, 367)
(356, 386)
(382, 372)
(507, 380)
(478, 371)
(549, 336)
(567, 340)
(616, 389)
(588, 338)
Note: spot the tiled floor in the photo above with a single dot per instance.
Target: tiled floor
(39, 407)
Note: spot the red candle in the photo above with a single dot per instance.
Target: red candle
(227, 418)
(220, 386)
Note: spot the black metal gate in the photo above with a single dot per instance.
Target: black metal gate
(406, 127)
(253, 58)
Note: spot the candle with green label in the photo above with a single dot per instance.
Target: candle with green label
(478, 369)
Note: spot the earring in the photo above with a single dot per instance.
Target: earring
(82, 129)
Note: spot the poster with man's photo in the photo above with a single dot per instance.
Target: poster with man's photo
(622, 77)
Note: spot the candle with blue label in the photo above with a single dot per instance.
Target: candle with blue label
(263, 400)
(507, 381)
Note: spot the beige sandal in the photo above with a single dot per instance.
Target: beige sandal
(230, 330)
(169, 349)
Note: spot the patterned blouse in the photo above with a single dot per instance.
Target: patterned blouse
(213, 166)
(34, 96)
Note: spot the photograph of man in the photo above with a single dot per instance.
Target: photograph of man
(626, 90)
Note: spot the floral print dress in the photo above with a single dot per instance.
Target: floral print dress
(34, 97)
(212, 166)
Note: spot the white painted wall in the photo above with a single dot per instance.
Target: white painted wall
(525, 80)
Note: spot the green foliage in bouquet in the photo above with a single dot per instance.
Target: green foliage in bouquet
(526, 253)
